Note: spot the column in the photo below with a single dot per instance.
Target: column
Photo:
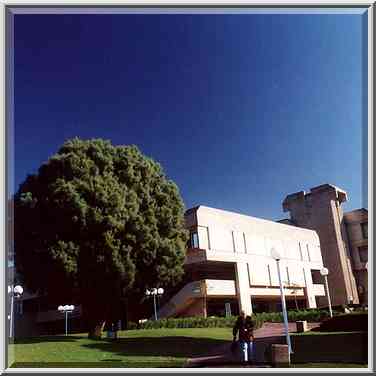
(242, 288)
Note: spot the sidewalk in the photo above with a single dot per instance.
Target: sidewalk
(221, 356)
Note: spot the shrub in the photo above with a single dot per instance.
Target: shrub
(310, 315)
(131, 325)
(197, 322)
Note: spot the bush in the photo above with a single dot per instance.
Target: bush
(310, 315)
(131, 325)
(197, 322)
(349, 322)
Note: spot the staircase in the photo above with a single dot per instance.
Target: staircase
(180, 301)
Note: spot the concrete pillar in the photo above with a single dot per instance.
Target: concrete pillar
(243, 288)
(309, 293)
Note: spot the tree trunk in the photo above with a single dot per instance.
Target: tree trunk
(96, 329)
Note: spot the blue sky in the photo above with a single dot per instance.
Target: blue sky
(240, 110)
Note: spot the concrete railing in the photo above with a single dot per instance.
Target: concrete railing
(216, 287)
(180, 300)
(194, 290)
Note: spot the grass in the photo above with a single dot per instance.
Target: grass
(152, 348)
(155, 348)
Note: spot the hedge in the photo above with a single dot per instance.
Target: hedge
(193, 322)
(312, 315)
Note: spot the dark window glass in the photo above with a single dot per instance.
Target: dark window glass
(193, 240)
(363, 254)
(316, 276)
(364, 227)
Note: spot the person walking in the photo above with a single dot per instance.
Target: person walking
(243, 328)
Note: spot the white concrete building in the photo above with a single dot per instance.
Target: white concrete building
(229, 265)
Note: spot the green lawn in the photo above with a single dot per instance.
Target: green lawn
(135, 348)
(153, 348)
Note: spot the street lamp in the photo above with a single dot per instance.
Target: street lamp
(155, 292)
(66, 309)
(277, 257)
(15, 292)
(324, 272)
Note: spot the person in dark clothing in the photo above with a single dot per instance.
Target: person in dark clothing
(243, 328)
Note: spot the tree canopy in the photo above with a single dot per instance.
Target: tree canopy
(98, 221)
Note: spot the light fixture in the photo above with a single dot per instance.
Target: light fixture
(277, 257)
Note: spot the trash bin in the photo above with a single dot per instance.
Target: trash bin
(280, 355)
(112, 333)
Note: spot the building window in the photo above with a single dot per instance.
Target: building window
(363, 253)
(305, 278)
(288, 276)
(245, 243)
(249, 274)
(300, 251)
(316, 276)
(364, 227)
(309, 256)
(193, 240)
(270, 276)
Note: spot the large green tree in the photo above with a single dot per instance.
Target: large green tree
(98, 222)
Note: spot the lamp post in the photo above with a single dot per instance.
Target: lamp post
(66, 309)
(154, 292)
(277, 257)
(324, 272)
(15, 292)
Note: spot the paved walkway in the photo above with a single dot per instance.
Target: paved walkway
(222, 355)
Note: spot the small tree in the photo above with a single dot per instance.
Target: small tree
(98, 223)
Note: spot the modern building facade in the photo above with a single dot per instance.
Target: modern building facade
(229, 265)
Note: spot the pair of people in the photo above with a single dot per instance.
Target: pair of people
(244, 326)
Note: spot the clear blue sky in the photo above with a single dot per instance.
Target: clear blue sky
(240, 110)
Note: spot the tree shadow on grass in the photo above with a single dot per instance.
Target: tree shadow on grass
(178, 347)
(41, 339)
(114, 364)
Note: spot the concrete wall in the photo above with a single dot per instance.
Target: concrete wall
(321, 210)
(359, 250)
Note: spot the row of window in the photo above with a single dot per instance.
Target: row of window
(315, 275)
(193, 242)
